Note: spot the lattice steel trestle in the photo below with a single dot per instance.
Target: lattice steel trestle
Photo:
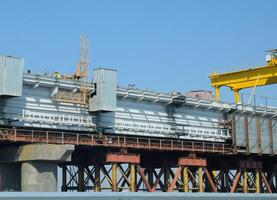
(99, 170)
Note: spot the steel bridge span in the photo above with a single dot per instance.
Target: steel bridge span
(121, 163)
(111, 138)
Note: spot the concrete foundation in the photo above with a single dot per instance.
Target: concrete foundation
(39, 176)
(32, 167)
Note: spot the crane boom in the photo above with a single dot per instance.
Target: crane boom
(249, 78)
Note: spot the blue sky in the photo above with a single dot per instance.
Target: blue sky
(156, 44)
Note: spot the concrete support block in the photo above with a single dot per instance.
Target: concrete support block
(32, 167)
(38, 176)
(48, 152)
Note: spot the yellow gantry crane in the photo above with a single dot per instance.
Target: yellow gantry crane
(249, 78)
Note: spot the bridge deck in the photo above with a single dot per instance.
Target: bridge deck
(111, 141)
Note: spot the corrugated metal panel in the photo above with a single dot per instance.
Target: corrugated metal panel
(253, 145)
(240, 130)
(274, 127)
(104, 99)
(11, 73)
(265, 137)
(155, 119)
(35, 108)
(253, 134)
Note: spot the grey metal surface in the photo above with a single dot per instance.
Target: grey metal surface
(134, 196)
(254, 138)
(104, 98)
(11, 69)
(137, 112)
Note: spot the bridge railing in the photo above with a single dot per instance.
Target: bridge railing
(111, 141)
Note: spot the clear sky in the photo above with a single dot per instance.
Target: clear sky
(164, 45)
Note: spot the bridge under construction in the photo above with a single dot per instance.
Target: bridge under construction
(103, 137)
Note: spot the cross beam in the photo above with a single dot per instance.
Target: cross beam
(249, 78)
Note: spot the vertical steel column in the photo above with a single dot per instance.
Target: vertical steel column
(166, 178)
(114, 177)
(257, 181)
(234, 135)
(246, 134)
(81, 183)
(270, 128)
(258, 127)
(200, 179)
(97, 187)
(150, 176)
(64, 178)
(222, 179)
(245, 181)
(132, 178)
(217, 94)
(185, 178)
(227, 180)
(237, 97)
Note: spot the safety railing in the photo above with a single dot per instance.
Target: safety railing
(111, 141)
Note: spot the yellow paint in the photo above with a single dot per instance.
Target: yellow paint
(132, 178)
(245, 181)
(114, 177)
(200, 179)
(185, 179)
(249, 78)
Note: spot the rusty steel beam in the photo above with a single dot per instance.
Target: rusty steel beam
(197, 162)
(266, 182)
(250, 164)
(177, 175)
(144, 179)
(122, 158)
(115, 141)
(236, 180)
(158, 179)
(210, 180)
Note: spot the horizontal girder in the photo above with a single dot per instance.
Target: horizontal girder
(238, 80)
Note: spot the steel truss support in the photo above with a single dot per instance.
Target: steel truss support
(120, 173)
(249, 177)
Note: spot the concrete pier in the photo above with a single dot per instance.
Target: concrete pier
(39, 176)
(32, 167)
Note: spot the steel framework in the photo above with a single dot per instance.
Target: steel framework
(120, 163)
(126, 172)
